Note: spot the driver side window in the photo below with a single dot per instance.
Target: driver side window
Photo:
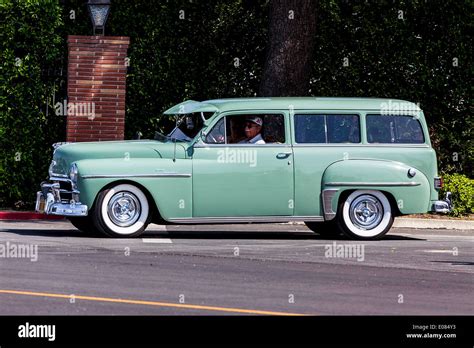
(217, 134)
(231, 129)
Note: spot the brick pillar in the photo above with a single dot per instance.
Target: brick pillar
(96, 87)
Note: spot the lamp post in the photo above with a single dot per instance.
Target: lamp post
(98, 11)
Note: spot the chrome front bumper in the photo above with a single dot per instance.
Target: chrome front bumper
(55, 200)
(444, 206)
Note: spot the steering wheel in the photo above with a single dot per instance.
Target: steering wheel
(214, 140)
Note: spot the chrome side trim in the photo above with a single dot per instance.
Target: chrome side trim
(158, 175)
(244, 219)
(328, 195)
(269, 145)
(411, 183)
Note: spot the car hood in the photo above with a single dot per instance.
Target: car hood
(66, 154)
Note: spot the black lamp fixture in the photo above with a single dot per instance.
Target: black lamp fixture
(99, 11)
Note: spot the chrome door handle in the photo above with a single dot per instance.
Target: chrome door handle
(284, 154)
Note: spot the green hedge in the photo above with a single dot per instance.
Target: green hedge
(30, 47)
(462, 189)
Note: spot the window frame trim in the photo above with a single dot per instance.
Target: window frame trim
(325, 113)
(286, 125)
(395, 144)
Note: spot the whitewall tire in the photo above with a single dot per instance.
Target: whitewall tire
(122, 211)
(365, 215)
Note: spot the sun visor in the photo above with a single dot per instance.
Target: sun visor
(190, 106)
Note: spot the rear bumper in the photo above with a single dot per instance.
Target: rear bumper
(443, 206)
(54, 200)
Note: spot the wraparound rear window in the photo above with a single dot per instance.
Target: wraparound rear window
(394, 129)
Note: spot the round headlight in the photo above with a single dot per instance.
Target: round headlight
(73, 172)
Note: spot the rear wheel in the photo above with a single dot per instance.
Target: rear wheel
(365, 215)
(122, 211)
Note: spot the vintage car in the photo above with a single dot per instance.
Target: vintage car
(345, 165)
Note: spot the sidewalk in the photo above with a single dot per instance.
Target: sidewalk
(407, 222)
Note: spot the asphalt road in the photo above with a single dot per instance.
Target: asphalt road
(234, 270)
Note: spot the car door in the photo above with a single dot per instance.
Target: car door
(240, 180)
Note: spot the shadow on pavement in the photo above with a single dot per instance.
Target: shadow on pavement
(262, 235)
(457, 263)
(200, 234)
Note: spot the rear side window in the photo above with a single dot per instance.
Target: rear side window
(394, 129)
(327, 129)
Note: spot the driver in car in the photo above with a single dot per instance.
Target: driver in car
(253, 127)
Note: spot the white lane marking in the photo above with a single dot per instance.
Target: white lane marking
(155, 227)
(439, 251)
(157, 240)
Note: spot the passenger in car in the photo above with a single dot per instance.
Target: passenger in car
(253, 127)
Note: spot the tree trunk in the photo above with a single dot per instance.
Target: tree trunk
(290, 48)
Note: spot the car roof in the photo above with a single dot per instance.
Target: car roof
(308, 103)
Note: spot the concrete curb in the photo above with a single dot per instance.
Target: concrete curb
(425, 223)
(27, 215)
(434, 223)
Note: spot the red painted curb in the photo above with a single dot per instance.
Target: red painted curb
(27, 215)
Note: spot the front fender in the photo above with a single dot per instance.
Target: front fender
(168, 182)
(410, 194)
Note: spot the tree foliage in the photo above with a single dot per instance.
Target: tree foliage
(414, 50)
(30, 51)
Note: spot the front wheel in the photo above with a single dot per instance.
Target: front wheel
(365, 215)
(122, 211)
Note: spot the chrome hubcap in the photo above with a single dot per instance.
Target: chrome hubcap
(366, 212)
(124, 209)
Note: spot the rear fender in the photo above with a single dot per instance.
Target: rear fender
(410, 194)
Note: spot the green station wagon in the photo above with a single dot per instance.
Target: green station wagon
(345, 165)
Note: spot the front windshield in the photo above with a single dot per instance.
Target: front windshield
(182, 128)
